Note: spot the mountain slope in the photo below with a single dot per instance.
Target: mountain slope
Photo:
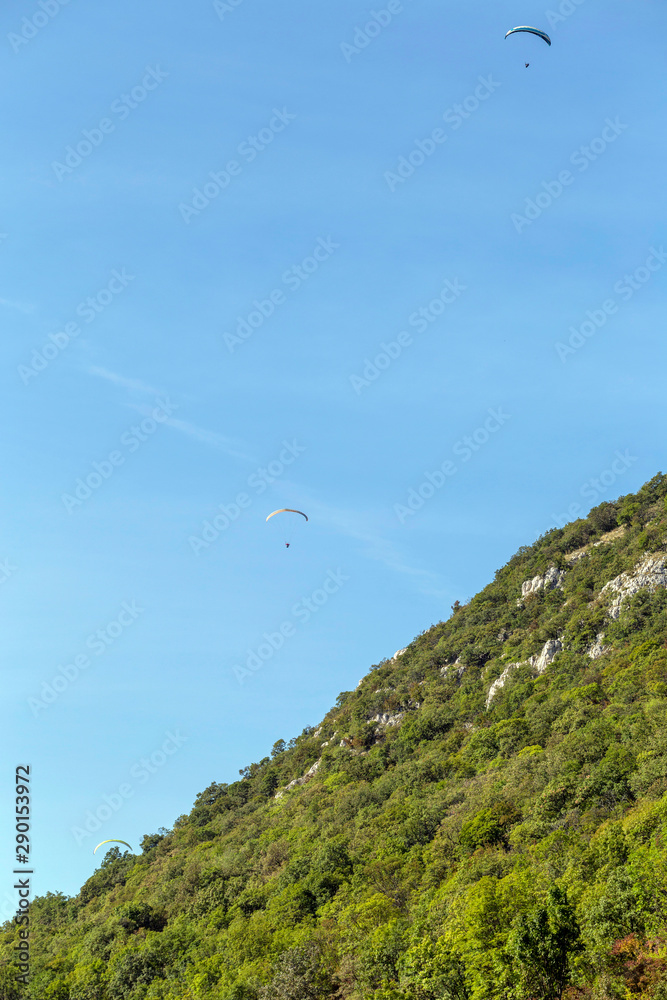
(483, 817)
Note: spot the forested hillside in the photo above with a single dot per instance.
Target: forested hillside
(484, 817)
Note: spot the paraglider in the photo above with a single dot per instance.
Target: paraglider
(533, 31)
(112, 841)
(287, 510)
(530, 31)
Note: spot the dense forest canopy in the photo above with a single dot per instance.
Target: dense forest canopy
(483, 817)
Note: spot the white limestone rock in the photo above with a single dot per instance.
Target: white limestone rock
(597, 649)
(500, 682)
(299, 781)
(386, 719)
(460, 668)
(648, 574)
(552, 578)
(538, 661)
(399, 652)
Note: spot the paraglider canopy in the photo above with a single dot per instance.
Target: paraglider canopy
(290, 521)
(112, 841)
(533, 31)
(287, 510)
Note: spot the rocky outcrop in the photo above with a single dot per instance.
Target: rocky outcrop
(456, 666)
(299, 781)
(538, 661)
(609, 536)
(385, 719)
(500, 682)
(649, 574)
(399, 652)
(597, 649)
(552, 578)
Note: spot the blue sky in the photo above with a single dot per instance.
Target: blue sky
(392, 187)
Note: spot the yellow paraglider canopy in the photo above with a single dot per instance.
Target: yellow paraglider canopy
(113, 841)
(287, 510)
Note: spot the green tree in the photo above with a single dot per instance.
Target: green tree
(301, 975)
(544, 941)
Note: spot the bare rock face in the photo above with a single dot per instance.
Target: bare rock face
(385, 719)
(456, 666)
(538, 661)
(552, 578)
(573, 557)
(298, 781)
(649, 574)
(500, 682)
(597, 649)
(399, 652)
(550, 650)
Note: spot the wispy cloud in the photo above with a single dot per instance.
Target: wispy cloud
(230, 446)
(20, 306)
(134, 384)
(360, 527)
(212, 438)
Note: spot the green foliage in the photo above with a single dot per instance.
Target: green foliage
(300, 975)
(544, 943)
(517, 852)
(490, 827)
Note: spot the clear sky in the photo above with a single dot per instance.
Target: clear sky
(359, 247)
